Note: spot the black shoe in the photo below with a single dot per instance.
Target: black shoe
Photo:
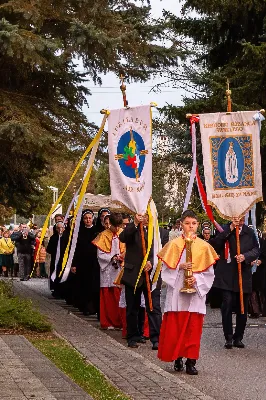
(229, 344)
(133, 345)
(155, 346)
(190, 367)
(179, 365)
(254, 315)
(22, 279)
(239, 344)
(141, 340)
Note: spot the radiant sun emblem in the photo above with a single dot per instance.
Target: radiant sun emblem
(131, 154)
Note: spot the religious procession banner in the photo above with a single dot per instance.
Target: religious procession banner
(130, 157)
(232, 162)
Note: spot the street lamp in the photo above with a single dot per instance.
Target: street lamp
(55, 193)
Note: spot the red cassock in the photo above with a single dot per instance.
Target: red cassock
(180, 335)
(109, 307)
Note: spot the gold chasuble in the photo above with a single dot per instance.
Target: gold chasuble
(203, 254)
(104, 241)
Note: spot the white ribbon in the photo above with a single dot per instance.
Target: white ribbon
(53, 276)
(78, 218)
(194, 167)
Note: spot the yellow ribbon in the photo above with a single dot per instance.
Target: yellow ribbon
(54, 206)
(150, 237)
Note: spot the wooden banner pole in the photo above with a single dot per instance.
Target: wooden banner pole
(147, 277)
(239, 267)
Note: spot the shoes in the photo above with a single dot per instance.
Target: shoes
(255, 315)
(229, 344)
(22, 279)
(179, 365)
(239, 344)
(133, 345)
(155, 346)
(141, 340)
(190, 367)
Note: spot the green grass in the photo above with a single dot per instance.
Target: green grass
(72, 364)
(19, 314)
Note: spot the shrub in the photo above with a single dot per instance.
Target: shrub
(17, 313)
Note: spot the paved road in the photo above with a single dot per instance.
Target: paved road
(224, 374)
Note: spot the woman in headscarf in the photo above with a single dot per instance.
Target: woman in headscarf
(86, 268)
(100, 220)
(57, 250)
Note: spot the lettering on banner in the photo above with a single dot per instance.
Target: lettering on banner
(135, 189)
(135, 121)
(234, 126)
(247, 193)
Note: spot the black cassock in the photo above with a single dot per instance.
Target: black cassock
(87, 280)
(52, 249)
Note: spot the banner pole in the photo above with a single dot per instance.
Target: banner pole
(238, 250)
(239, 267)
(146, 272)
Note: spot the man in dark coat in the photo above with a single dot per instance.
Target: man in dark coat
(131, 236)
(226, 276)
(24, 241)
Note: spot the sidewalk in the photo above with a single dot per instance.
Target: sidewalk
(129, 371)
(25, 373)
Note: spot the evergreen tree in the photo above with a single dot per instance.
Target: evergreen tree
(41, 90)
(226, 39)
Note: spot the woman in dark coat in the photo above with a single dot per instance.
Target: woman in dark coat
(257, 304)
(86, 268)
(57, 254)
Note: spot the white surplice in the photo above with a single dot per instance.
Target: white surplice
(108, 272)
(177, 301)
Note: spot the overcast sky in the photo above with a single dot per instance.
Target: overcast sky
(109, 95)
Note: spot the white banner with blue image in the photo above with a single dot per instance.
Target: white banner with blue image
(130, 156)
(232, 162)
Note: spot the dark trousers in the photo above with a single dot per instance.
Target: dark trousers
(25, 262)
(133, 301)
(231, 299)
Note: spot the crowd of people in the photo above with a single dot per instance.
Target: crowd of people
(18, 252)
(106, 268)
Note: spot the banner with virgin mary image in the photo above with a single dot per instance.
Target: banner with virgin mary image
(232, 161)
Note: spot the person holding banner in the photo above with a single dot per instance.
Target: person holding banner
(226, 277)
(185, 308)
(131, 236)
(110, 253)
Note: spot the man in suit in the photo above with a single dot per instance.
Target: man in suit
(131, 236)
(226, 276)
